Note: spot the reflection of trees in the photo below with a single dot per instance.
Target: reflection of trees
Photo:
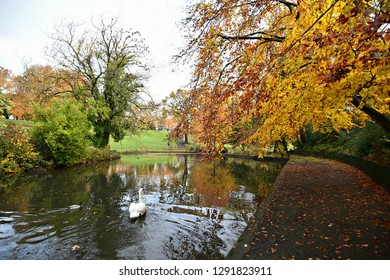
(56, 189)
(42, 200)
(258, 177)
(217, 197)
(151, 176)
(214, 182)
(18, 197)
(106, 199)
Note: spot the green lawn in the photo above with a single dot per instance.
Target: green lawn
(20, 122)
(149, 159)
(147, 141)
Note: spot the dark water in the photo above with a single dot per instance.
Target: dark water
(196, 209)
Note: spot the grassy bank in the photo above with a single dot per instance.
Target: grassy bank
(19, 122)
(146, 141)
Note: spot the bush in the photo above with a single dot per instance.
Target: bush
(369, 139)
(96, 154)
(17, 154)
(370, 142)
(62, 132)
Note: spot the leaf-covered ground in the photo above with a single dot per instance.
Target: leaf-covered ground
(320, 209)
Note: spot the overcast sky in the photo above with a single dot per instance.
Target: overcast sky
(25, 25)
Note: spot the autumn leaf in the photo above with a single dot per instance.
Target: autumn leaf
(343, 19)
(265, 70)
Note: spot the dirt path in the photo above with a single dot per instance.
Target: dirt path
(320, 209)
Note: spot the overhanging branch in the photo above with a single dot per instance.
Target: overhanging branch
(375, 115)
(289, 4)
(252, 36)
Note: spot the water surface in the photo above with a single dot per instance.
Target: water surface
(197, 209)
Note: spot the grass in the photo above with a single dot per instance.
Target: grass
(146, 141)
(149, 159)
(20, 122)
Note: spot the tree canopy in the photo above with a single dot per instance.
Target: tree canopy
(109, 68)
(264, 70)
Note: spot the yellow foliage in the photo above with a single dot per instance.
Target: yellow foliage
(266, 69)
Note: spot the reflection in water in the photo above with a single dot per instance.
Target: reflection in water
(196, 209)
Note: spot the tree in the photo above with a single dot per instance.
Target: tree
(269, 68)
(5, 101)
(111, 68)
(5, 105)
(38, 84)
(62, 131)
(178, 105)
(5, 78)
(17, 154)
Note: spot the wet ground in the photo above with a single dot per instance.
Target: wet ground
(320, 209)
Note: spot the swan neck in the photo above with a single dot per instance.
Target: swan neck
(140, 196)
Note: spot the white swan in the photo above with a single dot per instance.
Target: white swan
(137, 209)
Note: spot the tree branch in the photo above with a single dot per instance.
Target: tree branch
(375, 115)
(290, 5)
(252, 36)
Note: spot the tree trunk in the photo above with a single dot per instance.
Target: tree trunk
(102, 134)
(376, 116)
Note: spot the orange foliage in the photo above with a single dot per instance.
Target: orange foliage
(266, 69)
(213, 182)
(37, 85)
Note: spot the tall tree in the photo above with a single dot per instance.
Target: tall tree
(268, 68)
(38, 84)
(5, 77)
(111, 65)
(5, 100)
(178, 105)
(5, 105)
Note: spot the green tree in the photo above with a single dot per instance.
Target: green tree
(5, 101)
(109, 61)
(63, 131)
(5, 105)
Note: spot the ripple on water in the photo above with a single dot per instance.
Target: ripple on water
(6, 231)
(37, 235)
(6, 220)
(177, 224)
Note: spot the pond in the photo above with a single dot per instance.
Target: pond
(197, 208)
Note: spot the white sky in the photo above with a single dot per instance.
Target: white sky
(25, 25)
